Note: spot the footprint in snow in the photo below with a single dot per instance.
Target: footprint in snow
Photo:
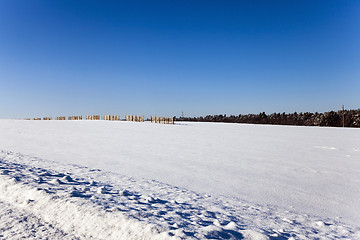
(56, 181)
(67, 178)
(102, 190)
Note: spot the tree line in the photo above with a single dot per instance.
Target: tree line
(347, 118)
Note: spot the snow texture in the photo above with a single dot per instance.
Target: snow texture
(121, 180)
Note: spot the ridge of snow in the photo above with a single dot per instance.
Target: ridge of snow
(71, 215)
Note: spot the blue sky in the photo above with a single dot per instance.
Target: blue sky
(160, 58)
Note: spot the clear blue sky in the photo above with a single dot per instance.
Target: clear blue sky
(70, 57)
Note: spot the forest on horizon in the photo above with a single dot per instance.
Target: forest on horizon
(341, 118)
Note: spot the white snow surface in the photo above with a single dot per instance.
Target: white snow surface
(127, 180)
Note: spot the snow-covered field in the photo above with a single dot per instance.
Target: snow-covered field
(127, 180)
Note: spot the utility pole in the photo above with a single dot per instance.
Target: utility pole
(343, 115)
(182, 115)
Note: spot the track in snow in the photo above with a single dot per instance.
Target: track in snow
(70, 200)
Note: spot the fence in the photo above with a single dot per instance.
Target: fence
(162, 120)
(75, 118)
(134, 118)
(93, 117)
(112, 117)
